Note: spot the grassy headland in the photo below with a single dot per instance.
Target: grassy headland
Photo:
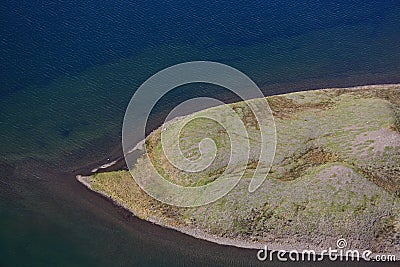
(336, 174)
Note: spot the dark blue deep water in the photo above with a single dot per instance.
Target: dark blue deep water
(69, 68)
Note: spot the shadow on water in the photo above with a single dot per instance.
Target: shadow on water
(72, 69)
(51, 219)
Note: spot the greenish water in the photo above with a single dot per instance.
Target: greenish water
(70, 68)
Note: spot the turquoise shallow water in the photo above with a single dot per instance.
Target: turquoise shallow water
(69, 70)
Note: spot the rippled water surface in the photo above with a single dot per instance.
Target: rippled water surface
(68, 70)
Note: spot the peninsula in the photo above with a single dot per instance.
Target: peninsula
(336, 174)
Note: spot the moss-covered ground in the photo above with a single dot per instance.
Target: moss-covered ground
(336, 173)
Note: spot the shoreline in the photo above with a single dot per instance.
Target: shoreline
(200, 234)
(118, 158)
(229, 242)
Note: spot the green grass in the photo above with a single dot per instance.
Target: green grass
(321, 183)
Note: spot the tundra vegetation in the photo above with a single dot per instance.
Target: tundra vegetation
(336, 174)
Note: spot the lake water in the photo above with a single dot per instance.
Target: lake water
(68, 71)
